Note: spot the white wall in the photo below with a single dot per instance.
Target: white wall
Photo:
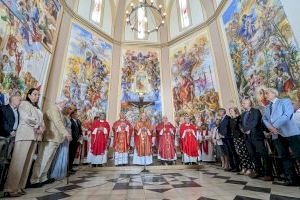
(197, 16)
(292, 10)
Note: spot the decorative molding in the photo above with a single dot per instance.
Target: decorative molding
(107, 37)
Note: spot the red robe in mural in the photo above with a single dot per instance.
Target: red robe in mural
(188, 138)
(165, 134)
(99, 137)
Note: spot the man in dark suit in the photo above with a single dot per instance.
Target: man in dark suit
(76, 135)
(225, 131)
(9, 116)
(9, 121)
(251, 125)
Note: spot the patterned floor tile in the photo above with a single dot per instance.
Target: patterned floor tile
(257, 189)
(59, 195)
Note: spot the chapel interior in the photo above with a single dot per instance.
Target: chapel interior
(166, 73)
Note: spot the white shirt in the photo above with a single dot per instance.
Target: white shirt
(296, 117)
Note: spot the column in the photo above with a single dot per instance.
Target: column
(227, 88)
(113, 95)
(57, 65)
(166, 82)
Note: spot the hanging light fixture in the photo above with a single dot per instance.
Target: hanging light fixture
(137, 18)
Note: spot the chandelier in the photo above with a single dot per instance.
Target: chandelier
(138, 21)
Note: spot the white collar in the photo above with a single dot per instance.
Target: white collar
(274, 100)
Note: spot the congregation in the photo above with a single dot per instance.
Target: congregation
(43, 147)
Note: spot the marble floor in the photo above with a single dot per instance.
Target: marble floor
(208, 183)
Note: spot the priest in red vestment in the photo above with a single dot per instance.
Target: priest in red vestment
(165, 133)
(122, 131)
(143, 141)
(99, 141)
(189, 141)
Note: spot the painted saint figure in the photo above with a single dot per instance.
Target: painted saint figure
(165, 132)
(122, 131)
(99, 141)
(143, 142)
(189, 141)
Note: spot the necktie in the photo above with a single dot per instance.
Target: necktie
(245, 118)
(271, 107)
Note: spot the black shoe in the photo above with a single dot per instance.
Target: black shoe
(72, 170)
(235, 170)
(286, 183)
(51, 180)
(36, 185)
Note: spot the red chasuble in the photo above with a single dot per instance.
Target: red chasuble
(143, 138)
(122, 130)
(99, 137)
(188, 138)
(165, 134)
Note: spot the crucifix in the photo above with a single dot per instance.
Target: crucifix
(141, 104)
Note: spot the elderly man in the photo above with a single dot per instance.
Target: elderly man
(143, 141)
(285, 132)
(53, 137)
(165, 132)
(9, 120)
(251, 126)
(189, 141)
(122, 130)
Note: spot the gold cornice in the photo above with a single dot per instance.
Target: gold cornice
(107, 37)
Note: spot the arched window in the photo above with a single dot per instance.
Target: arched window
(184, 12)
(142, 22)
(96, 11)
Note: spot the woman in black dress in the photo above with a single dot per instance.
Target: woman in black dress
(246, 165)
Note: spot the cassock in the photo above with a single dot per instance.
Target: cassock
(143, 143)
(189, 142)
(166, 141)
(99, 142)
(122, 130)
(206, 147)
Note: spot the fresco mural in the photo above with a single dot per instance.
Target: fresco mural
(141, 76)
(87, 73)
(41, 17)
(24, 62)
(262, 48)
(194, 83)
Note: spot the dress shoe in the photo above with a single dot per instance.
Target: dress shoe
(254, 175)
(36, 185)
(23, 192)
(12, 194)
(51, 180)
(267, 178)
(72, 170)
(286, 183)
(235, 170)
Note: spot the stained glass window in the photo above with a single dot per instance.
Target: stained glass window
(96, 11)
(184, 13)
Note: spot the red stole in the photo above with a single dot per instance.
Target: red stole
(188, 137)
(99, 140)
